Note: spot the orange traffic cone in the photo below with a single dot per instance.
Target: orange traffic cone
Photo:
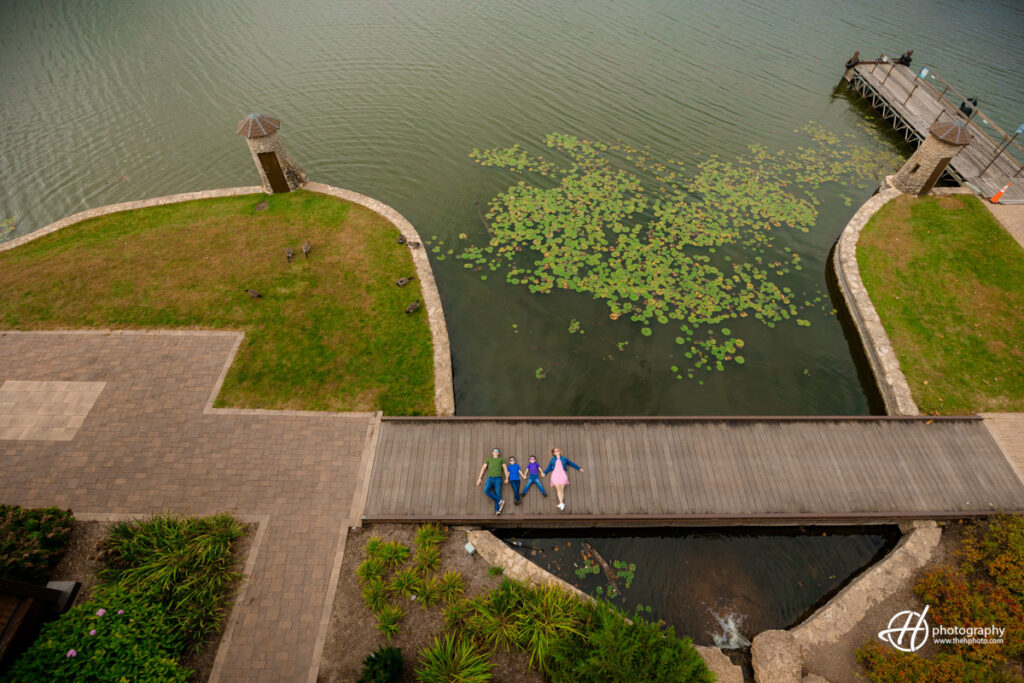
(998, 195)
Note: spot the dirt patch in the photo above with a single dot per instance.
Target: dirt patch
(353, 630)
(838, 662)
(84, 559)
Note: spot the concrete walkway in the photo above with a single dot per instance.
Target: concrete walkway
(119, 424)
(1011, 216)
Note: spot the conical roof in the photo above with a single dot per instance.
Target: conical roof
(951, 132)
(257, 126)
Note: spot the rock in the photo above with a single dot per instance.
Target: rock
(776, 658)
(720, 664)
(815, 678)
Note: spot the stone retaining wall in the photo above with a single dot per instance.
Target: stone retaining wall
(892, 385)
(444, 389)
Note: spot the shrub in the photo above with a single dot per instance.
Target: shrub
(430, 593)
(888, 665)
(998, 547)
(406, 582)
(547, 614)
(375, 594)
(122, 637)
(451, 586)
(609, 649)
(457, 613)
(495, 616)
(393, 554)
(184, 564)
(428, 558)
(373, 547)
(430, 535)
(957, 600)
(388, 619)
(32, 541)
(382, 666)
(452, 659)
(371, 569)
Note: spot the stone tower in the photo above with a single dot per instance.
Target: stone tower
(277, 170)
(923, 168)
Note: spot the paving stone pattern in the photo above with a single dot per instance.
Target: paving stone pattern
(147, 446)
(48, 411)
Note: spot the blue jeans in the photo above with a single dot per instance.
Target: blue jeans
(515, 488)
(534, 479)
(492, 489)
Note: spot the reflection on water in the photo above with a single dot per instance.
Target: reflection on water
(106, 101)
(717, 586)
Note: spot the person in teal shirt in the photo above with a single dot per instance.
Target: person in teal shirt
(495, 467)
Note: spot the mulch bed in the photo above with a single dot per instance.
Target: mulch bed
(353, 633)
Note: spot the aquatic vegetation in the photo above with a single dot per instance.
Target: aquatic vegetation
(625, 570)
(587, 569)
(656, 245)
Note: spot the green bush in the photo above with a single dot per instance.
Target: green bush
(453, 660)
(547, 615)
(371, 569)
(184, 564)
(998, 548)
(451, 586)
(428, 558)
(406, 582)
(430, 535)
(389, 617)
(609, 649)
(393, 554)
(888, 665)
(382, 666)
(122, 637)
(32, 541)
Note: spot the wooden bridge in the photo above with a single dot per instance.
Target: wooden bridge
(913, 105)
(687, 471)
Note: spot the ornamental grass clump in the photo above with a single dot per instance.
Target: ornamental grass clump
(393, 554)
(371, 569)
(375, 594)
(406, 582)
(452, 659)
(388, 619)
(186, 565)
(32, 541)
(451, 586)
(123, 636)
(430, 535)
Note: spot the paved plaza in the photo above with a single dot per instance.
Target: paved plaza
(121, 426)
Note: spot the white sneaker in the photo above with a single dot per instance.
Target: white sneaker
(561, 506)
(501, 504)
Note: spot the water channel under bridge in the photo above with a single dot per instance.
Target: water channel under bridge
(686, 471)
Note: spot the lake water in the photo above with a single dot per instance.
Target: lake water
(104, 101)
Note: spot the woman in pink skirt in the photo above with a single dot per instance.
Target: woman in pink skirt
(559, 477)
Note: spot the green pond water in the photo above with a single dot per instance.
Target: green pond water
(104, 101)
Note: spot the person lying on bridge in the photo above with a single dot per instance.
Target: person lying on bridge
(560, 478)
(533, 475)
(513, 477)
(495, 467)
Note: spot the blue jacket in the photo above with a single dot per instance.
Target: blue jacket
(566, 462)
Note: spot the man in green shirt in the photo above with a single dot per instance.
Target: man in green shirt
(495, 468)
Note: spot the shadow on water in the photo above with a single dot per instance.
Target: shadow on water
(718, 586)
(865, 375)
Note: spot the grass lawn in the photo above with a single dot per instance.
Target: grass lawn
(330, 333)
(948, 283)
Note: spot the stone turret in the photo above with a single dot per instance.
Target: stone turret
(277, 170)
(925, 166)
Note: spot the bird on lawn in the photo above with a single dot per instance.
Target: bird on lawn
(413, 306)
(253, 294)
(414, 245)
(405, 280)
(306, 248)
(288, 253)
(401, 239)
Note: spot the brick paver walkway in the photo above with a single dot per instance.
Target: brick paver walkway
(147, 445)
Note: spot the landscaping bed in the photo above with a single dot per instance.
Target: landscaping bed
(328, 332)
(948, 283)
(456, 619)
(154, 598)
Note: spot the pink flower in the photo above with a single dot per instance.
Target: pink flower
(100, 612)
(120, 611)
(92, 632)
(71, 653)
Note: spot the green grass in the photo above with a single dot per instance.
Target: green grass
(330, 333)
(948, 283)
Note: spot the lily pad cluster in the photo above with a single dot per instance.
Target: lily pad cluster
(657, 245)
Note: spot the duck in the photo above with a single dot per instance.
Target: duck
(404, 281)
(413, 306)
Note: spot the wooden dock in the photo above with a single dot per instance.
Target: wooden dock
(913, 105)
(684, 471)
